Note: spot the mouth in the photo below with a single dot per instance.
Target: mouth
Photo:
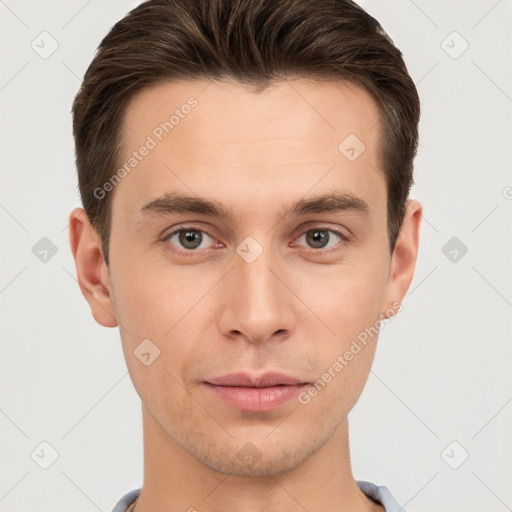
(248, 392)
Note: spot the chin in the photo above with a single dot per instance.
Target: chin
(253, 456)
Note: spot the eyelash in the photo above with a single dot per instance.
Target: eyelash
(192, 252)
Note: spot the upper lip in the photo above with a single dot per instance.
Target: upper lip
(256, 381)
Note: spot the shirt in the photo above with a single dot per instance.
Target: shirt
(379, 493)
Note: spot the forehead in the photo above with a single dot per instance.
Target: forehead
(230, 110)
(214, 138)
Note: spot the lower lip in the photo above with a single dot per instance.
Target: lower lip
(256, 399)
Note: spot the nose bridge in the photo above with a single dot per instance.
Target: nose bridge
(256, 280)
(259, 304)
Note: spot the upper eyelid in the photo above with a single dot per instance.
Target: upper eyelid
(166, 234)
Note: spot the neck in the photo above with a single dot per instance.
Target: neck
(176, 481)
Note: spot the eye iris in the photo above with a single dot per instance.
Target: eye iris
(190, 238)
(318, 236)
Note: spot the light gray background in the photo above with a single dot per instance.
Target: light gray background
(442, 370)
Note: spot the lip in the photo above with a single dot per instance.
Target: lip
(256, 393)
(245, 379)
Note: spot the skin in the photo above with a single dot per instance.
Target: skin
(294, 309)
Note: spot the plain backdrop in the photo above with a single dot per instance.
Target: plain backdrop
(434, 421)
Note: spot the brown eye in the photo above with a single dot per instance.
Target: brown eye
(189, 239)
(322, 239)
(317, 238)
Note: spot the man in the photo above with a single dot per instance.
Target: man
(245, 168)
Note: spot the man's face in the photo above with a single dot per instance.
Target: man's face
(269, 289)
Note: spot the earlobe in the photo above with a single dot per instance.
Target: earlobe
(403, 261)
(91, 269)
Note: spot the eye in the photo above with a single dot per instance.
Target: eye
(188, 239)
(322, 238)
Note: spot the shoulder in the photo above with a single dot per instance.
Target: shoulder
(126, 501)
(381, 494)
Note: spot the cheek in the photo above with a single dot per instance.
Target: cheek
(152, 297)
(347, 300)
(342, 378)
(163, 306)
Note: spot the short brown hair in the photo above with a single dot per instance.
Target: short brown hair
(257, 42)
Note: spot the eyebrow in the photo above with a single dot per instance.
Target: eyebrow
(175, 202)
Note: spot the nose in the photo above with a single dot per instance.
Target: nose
(256, 303)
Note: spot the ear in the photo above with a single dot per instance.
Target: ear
(405, 253)
(91, 269)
